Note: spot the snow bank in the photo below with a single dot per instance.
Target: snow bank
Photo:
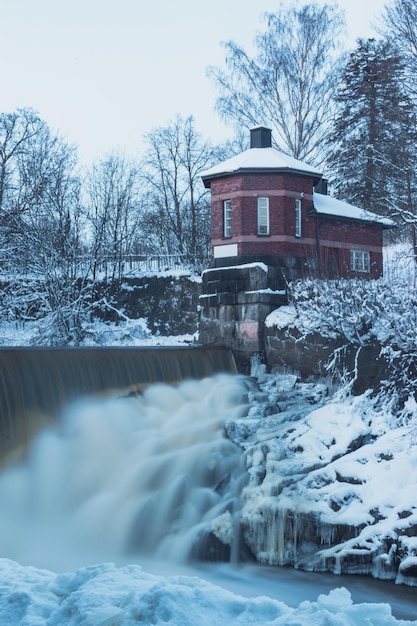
(125, 333)
(103, 595)
(283, 317)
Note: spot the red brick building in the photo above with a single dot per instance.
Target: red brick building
(267, 206)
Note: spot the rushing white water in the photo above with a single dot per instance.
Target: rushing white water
(151, 474)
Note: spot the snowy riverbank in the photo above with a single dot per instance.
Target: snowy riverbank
(104, 595)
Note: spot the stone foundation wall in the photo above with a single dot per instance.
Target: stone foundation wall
(309, 357)
(169, 303)
(234, 304)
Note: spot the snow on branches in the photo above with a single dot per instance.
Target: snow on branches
(360, 313)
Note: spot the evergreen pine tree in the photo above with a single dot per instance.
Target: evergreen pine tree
(374, 136)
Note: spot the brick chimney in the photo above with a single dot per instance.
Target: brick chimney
(260, 137)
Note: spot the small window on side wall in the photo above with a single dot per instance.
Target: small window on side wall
(360, 261)
(298, 218)
(263, 216)
(227, 219)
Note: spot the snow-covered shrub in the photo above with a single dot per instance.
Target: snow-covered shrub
(55, 307)
(363, 313)
(351, 310)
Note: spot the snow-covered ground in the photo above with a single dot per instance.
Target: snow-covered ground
(335, 456)
(127, 333)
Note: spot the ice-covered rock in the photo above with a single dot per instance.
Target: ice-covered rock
(331, 483)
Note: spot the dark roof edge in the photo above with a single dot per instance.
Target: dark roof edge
(263, 170)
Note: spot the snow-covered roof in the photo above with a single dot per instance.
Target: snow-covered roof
(260, 159)
(326, 205)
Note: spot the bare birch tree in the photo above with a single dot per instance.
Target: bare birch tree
(41, 227)
(178, 215)
(289, 84)
(400, 27)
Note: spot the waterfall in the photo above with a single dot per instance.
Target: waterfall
(124, 477)
(35, 383)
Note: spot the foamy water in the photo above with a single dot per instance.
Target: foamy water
(147, 475)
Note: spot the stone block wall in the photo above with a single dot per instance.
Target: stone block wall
(169, 303)
(308, 357)
(234, 304)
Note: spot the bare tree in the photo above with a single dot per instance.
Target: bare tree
(400, 27)
(46, 205)
(290, 82)
(16, 131)
(113, 206)
(41, 191)
(178, 216)
(41, 227)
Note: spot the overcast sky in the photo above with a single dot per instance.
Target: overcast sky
(105, 72)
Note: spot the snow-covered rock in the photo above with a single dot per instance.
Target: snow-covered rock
(332, 483)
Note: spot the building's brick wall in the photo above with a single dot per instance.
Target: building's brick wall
(238, 190)
(334, 238)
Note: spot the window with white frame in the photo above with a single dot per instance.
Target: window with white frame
(360, 261)
(263, 216)
(227, 219)
(298, 218)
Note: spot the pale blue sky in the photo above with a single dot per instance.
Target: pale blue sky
(105, 72)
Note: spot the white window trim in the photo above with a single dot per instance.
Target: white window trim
(298, 217)
(360, 261)
(227, 219)
(263, 216)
